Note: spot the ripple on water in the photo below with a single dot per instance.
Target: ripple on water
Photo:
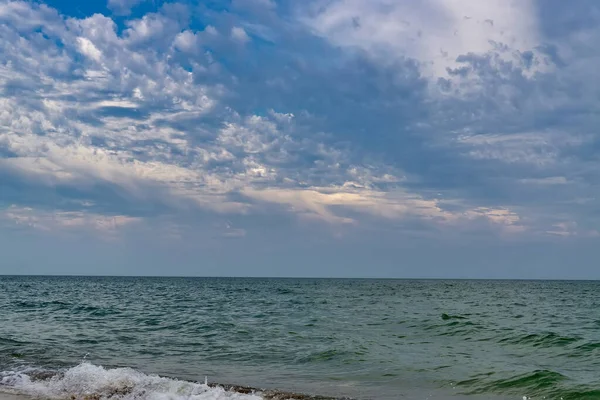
(326, 336)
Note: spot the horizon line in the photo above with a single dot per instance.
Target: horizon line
(302, 277)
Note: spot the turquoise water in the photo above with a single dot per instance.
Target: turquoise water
(108, 337)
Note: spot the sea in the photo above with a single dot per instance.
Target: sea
(94, 338)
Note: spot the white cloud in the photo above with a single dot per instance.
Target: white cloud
(155, 26)
(186, 41)
(52, 220)
(88, 49)
(508, 220)
(119, 103)
(571, 229)
(256, 135)
(322, 202)
(536, 148)
(434, 32)
(239, 34)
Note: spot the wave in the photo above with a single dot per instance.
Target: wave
(544, 384)
(91, 382)
(454, 325)
(59, 305)
(87, 381)
(9, 341)
(446, 317)
(548, 339)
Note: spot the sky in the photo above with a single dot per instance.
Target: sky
(327, 138)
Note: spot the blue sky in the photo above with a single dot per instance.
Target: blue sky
(441, 138)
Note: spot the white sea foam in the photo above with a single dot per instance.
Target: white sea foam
(89, 381)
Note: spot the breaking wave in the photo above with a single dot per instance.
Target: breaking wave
(87, 381)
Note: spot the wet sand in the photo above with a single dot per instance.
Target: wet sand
(9, 396)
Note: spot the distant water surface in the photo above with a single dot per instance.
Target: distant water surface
(138, 338)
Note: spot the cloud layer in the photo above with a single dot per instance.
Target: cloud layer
(413, 120)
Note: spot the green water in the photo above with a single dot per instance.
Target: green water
(365, 339)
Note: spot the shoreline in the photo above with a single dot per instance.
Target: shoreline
(266, 394)
(12, 396)
(273, 394)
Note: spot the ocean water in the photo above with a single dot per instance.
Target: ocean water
(189, 338)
